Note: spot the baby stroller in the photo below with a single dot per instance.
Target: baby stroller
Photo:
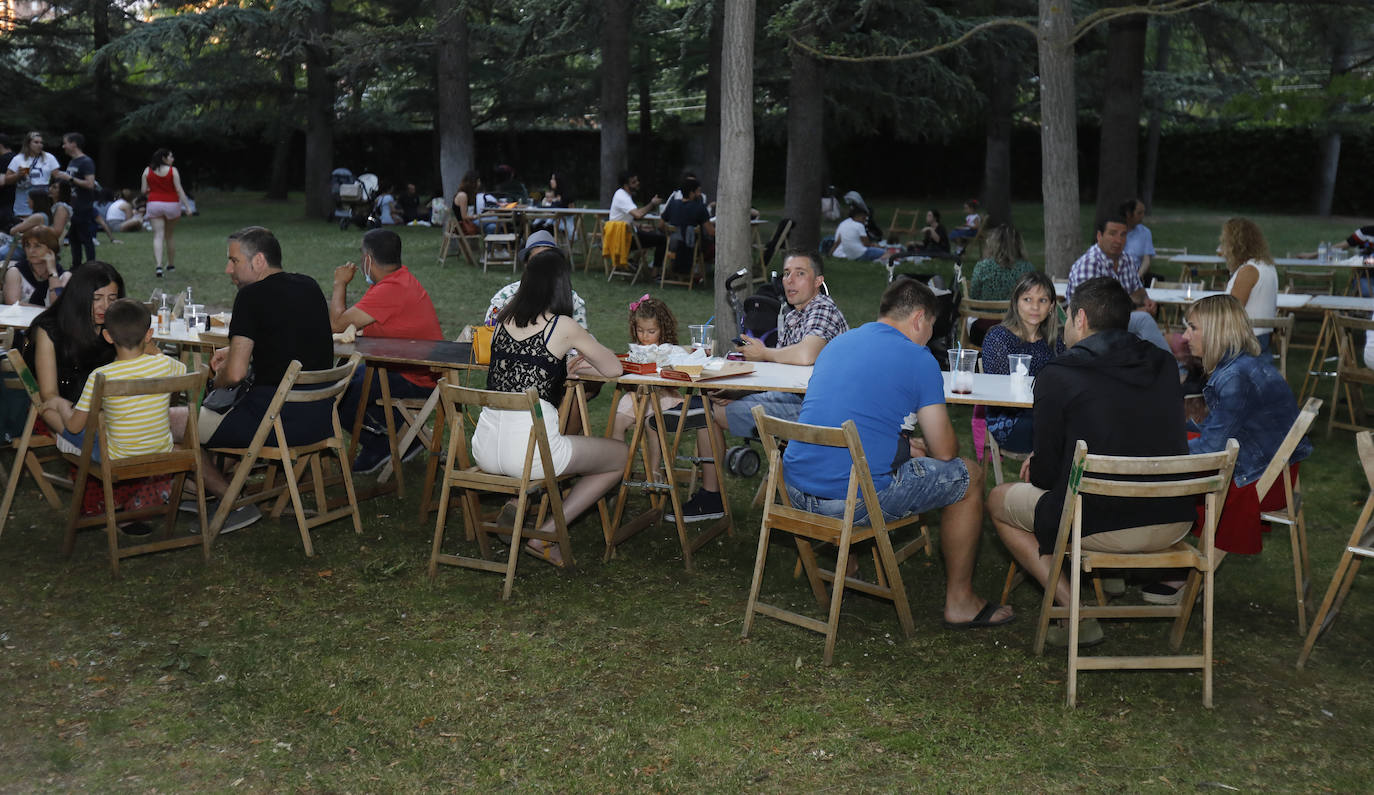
(758, 317)
(354, 199)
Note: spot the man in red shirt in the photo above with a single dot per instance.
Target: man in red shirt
(397, 306)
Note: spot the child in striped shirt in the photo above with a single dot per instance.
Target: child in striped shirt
(135, 425)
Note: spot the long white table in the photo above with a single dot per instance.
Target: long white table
(1284, 262)
(1173, 295)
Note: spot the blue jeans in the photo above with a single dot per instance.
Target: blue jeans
(739, 414)
(374, 417)
(918, 486)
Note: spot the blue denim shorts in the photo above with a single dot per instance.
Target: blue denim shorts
(918, 486)
(783, 405)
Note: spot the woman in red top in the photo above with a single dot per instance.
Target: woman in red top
(166, 201)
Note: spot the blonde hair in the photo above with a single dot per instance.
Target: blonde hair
(1049, 327)
(1242, 241)
(1004, 246)
(1225, 328)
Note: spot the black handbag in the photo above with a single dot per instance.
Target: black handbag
(223, 398)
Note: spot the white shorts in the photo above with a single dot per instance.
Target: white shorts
(169, 210)
(501, 438)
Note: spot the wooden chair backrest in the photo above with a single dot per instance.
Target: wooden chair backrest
(1310, 282)
(6, 334)
(1364, 441)
(1296, 431)
(191, 384)
(1163, 285)
(1348, 344)
(1208, 474)
(1281, 329)
(910, 226)
(456, 397)
(24, 375)
(981, 308)
(336, 377)
(772, 429)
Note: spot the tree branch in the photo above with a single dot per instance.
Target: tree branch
(1165, 9)
(910, 56)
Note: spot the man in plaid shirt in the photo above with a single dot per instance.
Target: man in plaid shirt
(1108, 257)
(813, 321)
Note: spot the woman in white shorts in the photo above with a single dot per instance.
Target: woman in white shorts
(534, 335)
(166, 200)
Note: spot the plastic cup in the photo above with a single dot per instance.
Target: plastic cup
(703, 337)
(962, 363)
(1018, 365)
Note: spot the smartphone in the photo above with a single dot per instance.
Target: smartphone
(738, 341)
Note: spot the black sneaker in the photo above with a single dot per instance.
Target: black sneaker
(159, 271)
(704, 506)
(171, 267)
(371, 458)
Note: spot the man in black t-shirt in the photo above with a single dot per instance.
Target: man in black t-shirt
(688, 216)
(278, 317)
(8, 180)
(81, 174)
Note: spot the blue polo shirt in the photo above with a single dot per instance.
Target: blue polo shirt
(875, 376)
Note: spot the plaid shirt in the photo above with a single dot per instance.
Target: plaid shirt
(819, 318)
(1094, 263)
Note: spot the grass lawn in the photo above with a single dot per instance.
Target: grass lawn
(350, 671)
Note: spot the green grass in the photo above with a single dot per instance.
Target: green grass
(350, 671)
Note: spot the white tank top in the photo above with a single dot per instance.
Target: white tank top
(1264, 296)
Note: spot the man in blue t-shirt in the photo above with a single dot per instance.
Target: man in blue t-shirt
(882, 376)
(81, 174)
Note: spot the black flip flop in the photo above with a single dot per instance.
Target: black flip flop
(982, 620)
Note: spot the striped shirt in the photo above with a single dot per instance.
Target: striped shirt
(135, 425)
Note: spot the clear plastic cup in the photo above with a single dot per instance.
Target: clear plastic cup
(1018, 366)
(703, 337)
(962, 363)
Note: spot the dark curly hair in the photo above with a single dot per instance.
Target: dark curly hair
(650, 308)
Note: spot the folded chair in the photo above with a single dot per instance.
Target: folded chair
(182, 460)
(1359, 546)
(293, 459)
(31, 451)
(809, 528)
(1351, 374)
(461, 473)
(1291, 513)
(453, 232)
(621, 252)
(1207, 475)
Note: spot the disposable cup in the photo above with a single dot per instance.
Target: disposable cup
(703, 337)
(962, 363)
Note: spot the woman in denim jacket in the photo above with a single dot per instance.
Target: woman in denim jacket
(1246, 399)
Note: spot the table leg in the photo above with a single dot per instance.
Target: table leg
(1319, 348)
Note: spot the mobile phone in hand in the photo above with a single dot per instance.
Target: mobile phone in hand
(738, 341)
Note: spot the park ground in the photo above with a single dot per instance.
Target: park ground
(350, 671)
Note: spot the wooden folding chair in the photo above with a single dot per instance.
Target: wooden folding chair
(182, 460)
(1308, 282)
(1359, 546)
(634, 264)
(807, 528)
(31, 451)
(1351, 374)
(971, 309)
(667, 276)
(499, 248)
(1280, 334)
(1291, 514)
(453, 232)
(297, 386)
(414, 412)
(1205, 474)
(765, 257)
(461, 473)
(905, 222)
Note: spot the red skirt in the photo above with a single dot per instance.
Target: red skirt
(1239, 530)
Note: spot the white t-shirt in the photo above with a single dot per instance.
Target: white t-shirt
(118, 211)
(971, 220)
(1264, 296)
(850, 234)
(1140, 242)
(40, 168)
(622, 205)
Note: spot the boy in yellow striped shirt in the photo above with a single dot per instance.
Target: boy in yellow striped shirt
(135, 425)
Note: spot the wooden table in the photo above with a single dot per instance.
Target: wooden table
(766, 377)
(1330, 306)
(990, 389)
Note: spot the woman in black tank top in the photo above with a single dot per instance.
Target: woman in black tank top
(530, 348)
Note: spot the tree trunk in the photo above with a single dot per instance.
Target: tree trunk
(1329, 154)
(100, 114)
(805, 151)
(1147, 177)
(644, 85)
(710, 156)
(615, 86)
(733, 238)
(454, 122)
(279, 182)
(997, 154)
(319, 114)
(1119, 155)
(1058, 137)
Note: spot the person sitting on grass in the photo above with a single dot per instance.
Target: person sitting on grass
(851, 239)
(968, 230)
(134, 424)
(1248, 400)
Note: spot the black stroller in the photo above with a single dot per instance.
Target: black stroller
(758, 317)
